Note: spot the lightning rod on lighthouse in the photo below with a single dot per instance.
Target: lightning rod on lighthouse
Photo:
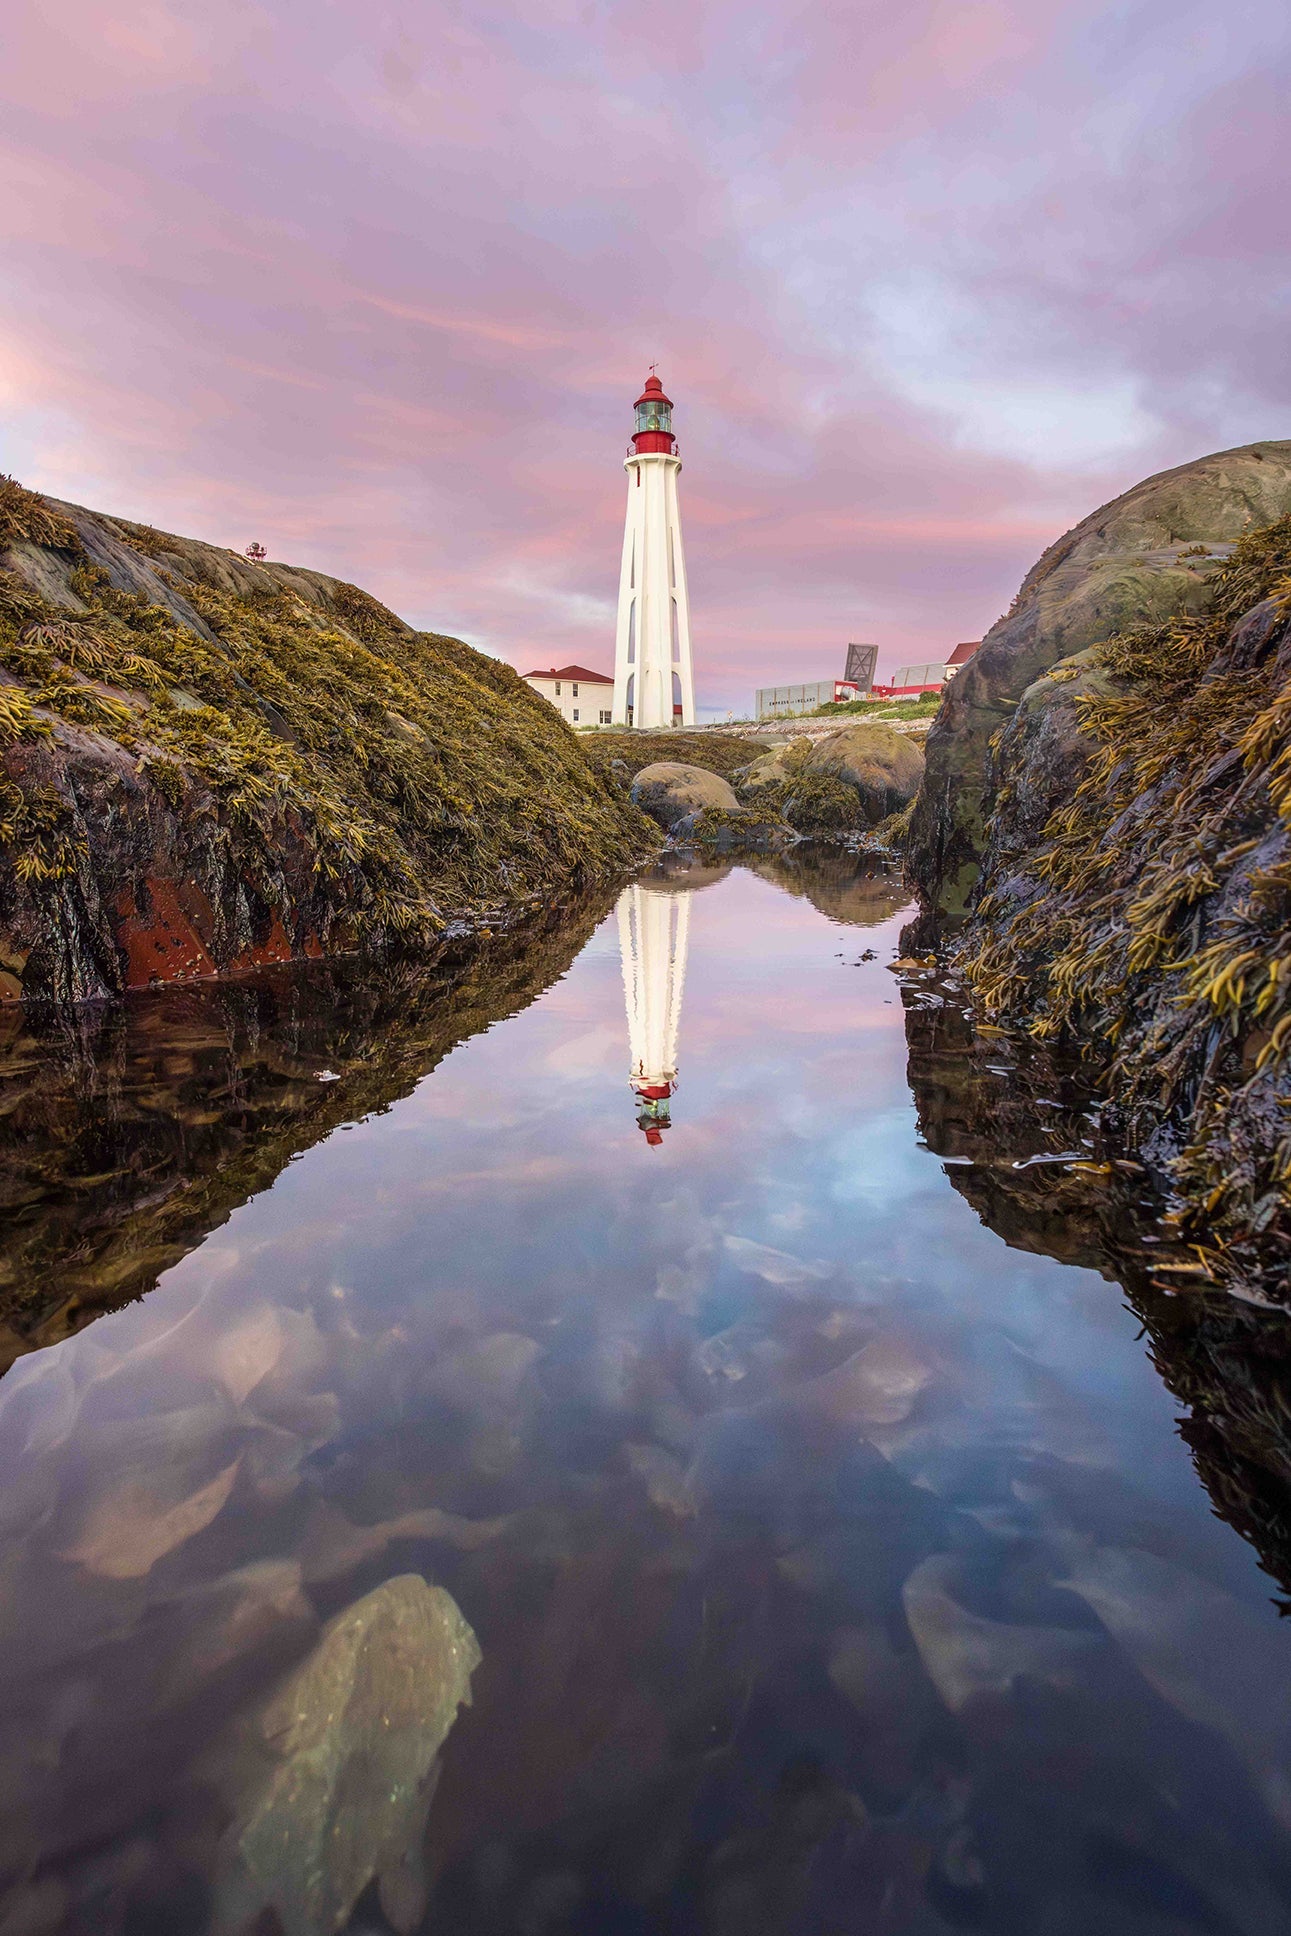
(653, 681)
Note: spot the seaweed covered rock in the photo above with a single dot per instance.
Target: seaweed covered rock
(672, 793)
(882, 767)
(1138, 561)
(207, 764)
(620, 755)
(1135, 897)
(770, 768)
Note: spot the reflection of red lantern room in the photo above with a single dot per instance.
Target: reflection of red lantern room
(655, 1115)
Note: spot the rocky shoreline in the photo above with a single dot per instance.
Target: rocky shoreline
(1101, 841)
(209, 765)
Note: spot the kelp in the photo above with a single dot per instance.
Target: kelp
(421, 779)
(26, 518)
(1152, 922)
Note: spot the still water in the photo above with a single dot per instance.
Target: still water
(542, 1442)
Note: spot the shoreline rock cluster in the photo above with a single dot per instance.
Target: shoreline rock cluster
(858, 781)
(209, 765)
(1102, 842)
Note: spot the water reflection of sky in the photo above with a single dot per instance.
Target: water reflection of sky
(834, 1566)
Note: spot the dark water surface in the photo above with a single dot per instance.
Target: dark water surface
(820, 1553)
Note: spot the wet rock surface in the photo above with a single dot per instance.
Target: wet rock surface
(1127, 884)
(209, 765)
(1134, 562)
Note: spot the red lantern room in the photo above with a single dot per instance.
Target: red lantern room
(654, 420)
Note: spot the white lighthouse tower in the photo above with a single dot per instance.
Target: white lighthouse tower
(653, 681)
(654, 933)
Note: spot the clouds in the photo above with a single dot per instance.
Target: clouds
(377, 286)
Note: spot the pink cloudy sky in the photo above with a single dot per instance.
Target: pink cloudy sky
(376, 284)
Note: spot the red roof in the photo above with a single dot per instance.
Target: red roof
(572, 672)
(963, 653)
(653, 392)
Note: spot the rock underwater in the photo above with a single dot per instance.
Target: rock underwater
(344, 1756)
(208, 765)
(1107, 815)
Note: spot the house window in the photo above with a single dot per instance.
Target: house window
(574, 688)
(606, 717)
(576, 712)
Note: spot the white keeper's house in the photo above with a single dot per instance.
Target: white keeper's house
(581, 697)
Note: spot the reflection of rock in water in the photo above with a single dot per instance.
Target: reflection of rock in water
(129, 1133)
(334, 1776)
(842, 886)
(990, 1104)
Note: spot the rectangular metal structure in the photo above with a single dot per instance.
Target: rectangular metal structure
(861, 662)
(774, 702)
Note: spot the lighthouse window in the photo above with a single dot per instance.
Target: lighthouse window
(654, 416)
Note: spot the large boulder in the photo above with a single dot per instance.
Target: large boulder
(770, 768)
(1138, 561)
(671, 792)
(209, 765)
(884, 767)
(1133, 899)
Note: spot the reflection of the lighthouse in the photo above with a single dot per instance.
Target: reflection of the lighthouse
(654, 930)
(654, 934)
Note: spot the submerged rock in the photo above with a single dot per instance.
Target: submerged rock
(336, 1771)
(967, 1656)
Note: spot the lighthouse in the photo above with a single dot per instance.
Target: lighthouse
(654, 932)
(653, 681)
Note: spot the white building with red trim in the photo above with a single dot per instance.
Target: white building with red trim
(582, 698)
